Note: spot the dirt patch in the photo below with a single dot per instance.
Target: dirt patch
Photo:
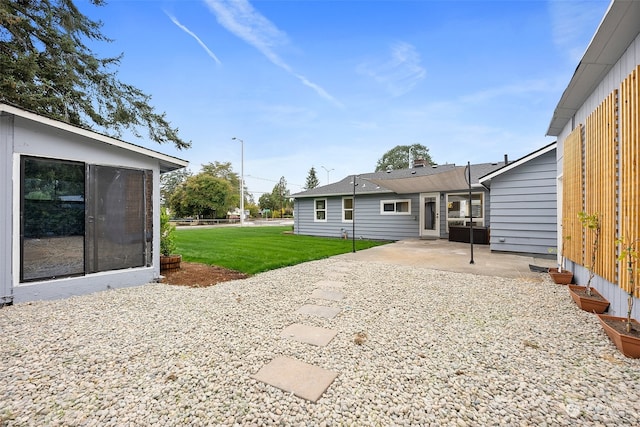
(200, 275)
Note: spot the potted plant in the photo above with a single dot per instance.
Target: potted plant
(586, 297)
(168, 260)
(559, 275)
(625, 331)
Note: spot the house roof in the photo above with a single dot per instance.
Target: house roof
(486, 178)
(167, 163)
(448, 177)
(619, 27)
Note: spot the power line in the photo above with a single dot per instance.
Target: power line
(272, 180)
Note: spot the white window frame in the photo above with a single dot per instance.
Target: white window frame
(345, 210)
(478, 221)
(316, 210)
(395, 206)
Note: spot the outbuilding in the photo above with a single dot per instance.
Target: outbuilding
(523, 200)
(79, 210)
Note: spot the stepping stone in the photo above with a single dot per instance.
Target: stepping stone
(319, 311)
(309, 334)
(293, 376)
(329, 284)
(328, 294)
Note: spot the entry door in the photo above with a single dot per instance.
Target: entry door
(430, 215)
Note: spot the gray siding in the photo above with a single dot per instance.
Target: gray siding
(6, 201)
(369, 223)
(524, 207)
(20, 136)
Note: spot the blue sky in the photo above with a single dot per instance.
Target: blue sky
(334, 84)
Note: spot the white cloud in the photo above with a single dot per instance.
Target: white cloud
(200, 42)
(573, 23)
(241, 19)
(510, 91)
(400, 73)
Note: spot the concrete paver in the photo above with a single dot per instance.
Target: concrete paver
(330, 284)
(328, 294)
(309, 334)
(319, 311)
(302, 379)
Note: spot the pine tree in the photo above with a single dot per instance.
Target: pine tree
(312, 179)
(48, 69)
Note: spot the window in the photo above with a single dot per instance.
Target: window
(320, 210)
(395, 207)
(458, 209)
(78, 218)
(347, 209)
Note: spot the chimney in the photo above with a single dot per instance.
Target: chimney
(506, 159)
(419, 162)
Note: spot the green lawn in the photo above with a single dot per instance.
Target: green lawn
(252, 249)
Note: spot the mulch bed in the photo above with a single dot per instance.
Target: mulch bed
(197, 275)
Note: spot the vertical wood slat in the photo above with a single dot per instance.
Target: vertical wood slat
(601, 151)
(629, 164)
(572, 189)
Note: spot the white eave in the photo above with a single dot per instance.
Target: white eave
(619, 27)
(167, 163)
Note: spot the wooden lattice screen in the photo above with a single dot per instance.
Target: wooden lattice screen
(601, 182)
(629, 164)
(572, 191)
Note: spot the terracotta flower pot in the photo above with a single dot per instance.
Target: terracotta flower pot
(561, 278)
(595, 303)
(628, 344)
(169, 263)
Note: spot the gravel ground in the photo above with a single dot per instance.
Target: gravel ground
(441, 349)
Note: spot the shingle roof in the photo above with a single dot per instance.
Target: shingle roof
(374, 182)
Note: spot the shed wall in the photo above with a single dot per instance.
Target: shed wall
(19, 136)
(6, 190)
(524, 207)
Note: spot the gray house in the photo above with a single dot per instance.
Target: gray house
(79, 211)
(523, 201)
(596, 124)
(426, 202)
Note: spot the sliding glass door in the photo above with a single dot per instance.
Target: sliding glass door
(52, 218)
(78, 218)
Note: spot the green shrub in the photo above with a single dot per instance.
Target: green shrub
(167, 235)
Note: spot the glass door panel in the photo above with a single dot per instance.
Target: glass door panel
(52, 222)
